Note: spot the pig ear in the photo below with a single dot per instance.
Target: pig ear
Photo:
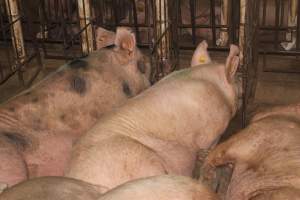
(125, 39)
(232, 63)
(104, 38)
(201, 55)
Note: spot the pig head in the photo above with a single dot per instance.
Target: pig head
(264, 157)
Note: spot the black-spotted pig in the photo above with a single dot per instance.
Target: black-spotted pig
(43, 121)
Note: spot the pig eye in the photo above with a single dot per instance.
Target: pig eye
(141, 66)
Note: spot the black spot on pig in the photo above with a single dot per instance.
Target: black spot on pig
(11, 109)
(78, 64)
(62, 117)
(78, 84)
(286, 149)
(35, 99)
(17, 139)
(126, 89)
(141, 67)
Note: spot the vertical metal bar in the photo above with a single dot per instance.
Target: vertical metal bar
(16, 30)
(84, 11)
(292, 18)
(264, 12)
(115, 12)
(297, 11)
(193, 21)
(277, 7)
(222, 41)
(135, 21)
(213, 20)
(241, 47)
(64, 29)
(162, 36)
(281, 13)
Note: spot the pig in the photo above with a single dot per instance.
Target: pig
(264, 157)
(167, 187)
(43, 121)
(52, 188)
(161, 130)
(159, 187)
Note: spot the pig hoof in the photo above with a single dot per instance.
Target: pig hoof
(3, 186)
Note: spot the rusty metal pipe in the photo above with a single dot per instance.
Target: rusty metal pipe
(84, 11)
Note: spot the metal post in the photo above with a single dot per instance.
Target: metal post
(162, 39)
(84, 11)
(162, 25)
(222, 41)
(292, 17)
(244, 71)
(16, 30)
(242, 30)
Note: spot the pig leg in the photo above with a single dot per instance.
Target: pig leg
(12, 166)
(41, 163)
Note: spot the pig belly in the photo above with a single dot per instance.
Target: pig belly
(49, 157)
(12, 166)
(114, 161)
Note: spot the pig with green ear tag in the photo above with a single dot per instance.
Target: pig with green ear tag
(160, 130)
(43, 122)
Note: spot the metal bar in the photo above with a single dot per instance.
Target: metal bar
(277, 7)
(292, 18)
(193, 21)
(222, 41)
(213, 20)
(242, 62)
(135, 21)
(16, 30)
(84, 11)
